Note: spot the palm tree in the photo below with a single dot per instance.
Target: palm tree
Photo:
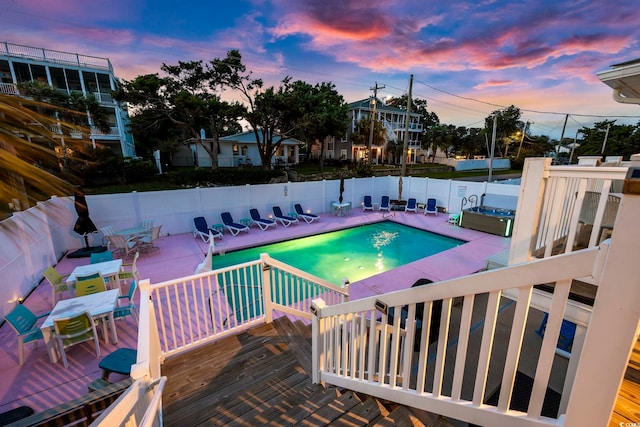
(31, 155)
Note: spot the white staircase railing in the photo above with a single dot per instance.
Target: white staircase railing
(357, 347)
(354, 345)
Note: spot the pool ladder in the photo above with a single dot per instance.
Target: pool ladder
(472, 200)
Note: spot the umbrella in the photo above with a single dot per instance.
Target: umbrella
(84, 226)
(341, 188)
(400, 188)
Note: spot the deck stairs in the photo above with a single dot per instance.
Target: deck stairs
(261, 377)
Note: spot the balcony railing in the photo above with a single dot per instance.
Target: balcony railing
(9, 89)
(55, 56)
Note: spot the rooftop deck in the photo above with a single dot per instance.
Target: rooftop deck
(41, 385)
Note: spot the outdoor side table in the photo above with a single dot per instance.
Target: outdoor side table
(246, 221)
(219, 227)
(119, 361)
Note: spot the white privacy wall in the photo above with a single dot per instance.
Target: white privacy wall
(34, 239)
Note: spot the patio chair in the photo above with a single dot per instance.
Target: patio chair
(75, 330)
(203, 231)
(130, 271)
(146, 224)
(122, 246)
(283, 219)
(24, 322)
(108, 230)
(366, 204)
(411, 206)
(129, 309)
(90, 284)
(233, 227)
(146, 242)
(97, 257)
(384, 204)
(306, 216)
(431, 207)
(58, 285)
(263, 223)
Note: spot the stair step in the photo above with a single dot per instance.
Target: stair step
(298, 338)
(333, 410)
(361, 414)
(319, 399)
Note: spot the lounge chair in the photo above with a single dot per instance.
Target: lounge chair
(567, 333)
(202, 229)
(384, 204)
(367, 205)
(263, 223)
(233, 227)
(431, 207)
(283, 219)
(307, 217)
(411, 206)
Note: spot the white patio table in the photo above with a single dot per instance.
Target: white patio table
(99, 305)
(108, 269)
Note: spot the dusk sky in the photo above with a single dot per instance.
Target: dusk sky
(468, 58)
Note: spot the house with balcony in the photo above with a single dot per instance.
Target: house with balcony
(70, 72)
(393, 121)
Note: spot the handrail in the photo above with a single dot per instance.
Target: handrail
(352, 350)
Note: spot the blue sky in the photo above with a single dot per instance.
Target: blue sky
(539, 55)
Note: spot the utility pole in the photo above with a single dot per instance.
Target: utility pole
(524, 130)
(373, 118)
(493, 145)
(566, 117)
(604, 143)
(406, 128)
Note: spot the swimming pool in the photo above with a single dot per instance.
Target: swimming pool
(354, 253)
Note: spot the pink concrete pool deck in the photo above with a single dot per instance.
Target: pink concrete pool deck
(41, 385)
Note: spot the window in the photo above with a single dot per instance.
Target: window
(39, 73)
(235, 149)
(23, 74)
(73, 79)
(5, 72)
(244, 150)
(343, 154)
(58, 80)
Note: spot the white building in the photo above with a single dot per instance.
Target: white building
(240, 149)
(69, 72)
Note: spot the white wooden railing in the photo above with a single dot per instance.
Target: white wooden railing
(561, 208)
(355, 347)
(210, 305)
(193, 310)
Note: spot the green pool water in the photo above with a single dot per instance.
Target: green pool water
(355, 253)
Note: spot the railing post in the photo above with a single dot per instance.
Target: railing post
(528, 209)
(317, 337)
(266, 288)
(614, 322)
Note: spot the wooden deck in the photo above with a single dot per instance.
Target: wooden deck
(260, 377)
(627, 408)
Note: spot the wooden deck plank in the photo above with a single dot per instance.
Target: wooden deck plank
(332, 410)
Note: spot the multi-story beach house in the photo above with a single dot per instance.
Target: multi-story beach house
(393, 121)
(70, 72)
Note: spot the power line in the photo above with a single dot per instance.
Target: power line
(523, 109)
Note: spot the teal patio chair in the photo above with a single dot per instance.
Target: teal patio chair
(24, 322)
(129, 309)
